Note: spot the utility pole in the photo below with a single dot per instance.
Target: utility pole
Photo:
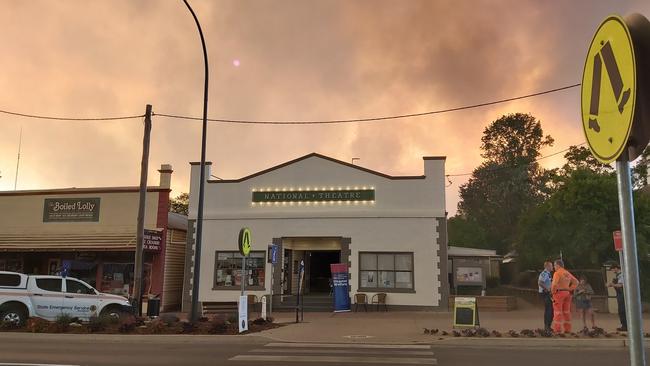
(139, 246)
(20, 142)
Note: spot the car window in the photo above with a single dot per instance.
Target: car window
(7, 279)
(76, 287)
(49, 284)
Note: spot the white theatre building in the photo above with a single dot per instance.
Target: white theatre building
(390, 230)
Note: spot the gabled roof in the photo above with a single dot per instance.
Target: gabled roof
(326, 158)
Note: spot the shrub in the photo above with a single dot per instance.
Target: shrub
(37, 325)
(156, 327)
(233, 318)
(259, 321)
(127, 324)
(169, 319)
(61, 323)
(188, 327)
(98, 324)
(218, 325)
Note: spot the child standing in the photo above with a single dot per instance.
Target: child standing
(583, 295)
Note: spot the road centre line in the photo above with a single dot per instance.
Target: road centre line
(336, 359)
(345, 351)
(347, 345)
(31, 364)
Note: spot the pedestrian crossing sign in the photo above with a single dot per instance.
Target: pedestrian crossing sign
(609, 90)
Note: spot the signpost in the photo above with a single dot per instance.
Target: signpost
(273, 259)
(244, 243)
(616, 123)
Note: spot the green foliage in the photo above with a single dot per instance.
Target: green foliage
(180, 204)
(464, 232)
(62, 323)
(508, 184)
(578, 220)
(218, 324)
(37, 325)
(99, 323)
(156, 327)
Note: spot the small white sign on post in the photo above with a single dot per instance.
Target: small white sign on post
(243, 313)
(264, 307)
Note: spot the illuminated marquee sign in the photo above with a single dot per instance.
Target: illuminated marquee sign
(316, 195)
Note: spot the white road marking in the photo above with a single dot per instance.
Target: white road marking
(31, 364)
(348, 345)
(344, 351)
(332, 359)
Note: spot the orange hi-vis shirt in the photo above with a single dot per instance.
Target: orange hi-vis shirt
(563, 280)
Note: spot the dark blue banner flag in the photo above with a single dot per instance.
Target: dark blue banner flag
(341, 287)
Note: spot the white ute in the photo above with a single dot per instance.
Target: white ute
(23, 296)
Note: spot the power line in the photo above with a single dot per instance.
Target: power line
(372, 119)
(518, 165)
(280, 122)
(71, 118)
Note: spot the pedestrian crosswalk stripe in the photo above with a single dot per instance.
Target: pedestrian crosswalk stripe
(348, 345)
(345, 351)
(337, 359)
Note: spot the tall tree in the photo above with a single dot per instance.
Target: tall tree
(509, 182)
(579, 220)
(180, 204)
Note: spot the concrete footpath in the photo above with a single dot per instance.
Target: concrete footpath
(408, 327)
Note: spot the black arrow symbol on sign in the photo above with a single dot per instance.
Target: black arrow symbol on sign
(606, 56)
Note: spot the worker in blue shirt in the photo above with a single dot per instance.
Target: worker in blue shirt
(544, 285)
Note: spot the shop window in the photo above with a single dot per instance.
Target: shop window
(386, 272)
(76, 287)
(117, 278)
(49, 284)
(228, 270)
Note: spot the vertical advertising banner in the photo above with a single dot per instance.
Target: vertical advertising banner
(340, 285)
(243, 313)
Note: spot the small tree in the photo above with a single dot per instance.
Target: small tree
(180, 204)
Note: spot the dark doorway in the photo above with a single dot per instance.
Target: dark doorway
(319, 269)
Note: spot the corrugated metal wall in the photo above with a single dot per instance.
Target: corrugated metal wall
(174, 270)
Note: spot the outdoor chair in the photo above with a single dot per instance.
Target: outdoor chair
(360, 299)
(379, 300)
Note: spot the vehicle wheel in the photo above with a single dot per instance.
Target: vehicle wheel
(112, 312)
(13, 315)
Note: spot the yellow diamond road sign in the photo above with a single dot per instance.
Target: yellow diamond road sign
(609, 90)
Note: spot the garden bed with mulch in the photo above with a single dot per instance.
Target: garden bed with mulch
(129, 324)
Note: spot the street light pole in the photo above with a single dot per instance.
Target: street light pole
(199, 215)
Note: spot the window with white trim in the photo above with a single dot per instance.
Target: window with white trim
(385, 271)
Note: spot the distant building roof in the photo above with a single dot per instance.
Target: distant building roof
(177, 221)
(471, 252)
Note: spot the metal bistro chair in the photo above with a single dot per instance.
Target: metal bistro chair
(380, 299)
(360, 299)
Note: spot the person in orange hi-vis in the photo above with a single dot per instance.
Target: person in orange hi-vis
(562, 288)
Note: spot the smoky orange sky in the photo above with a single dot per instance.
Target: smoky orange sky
(302, 59)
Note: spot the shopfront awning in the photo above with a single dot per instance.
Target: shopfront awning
(67, 242)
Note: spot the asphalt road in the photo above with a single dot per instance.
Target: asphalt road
(244, 351)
